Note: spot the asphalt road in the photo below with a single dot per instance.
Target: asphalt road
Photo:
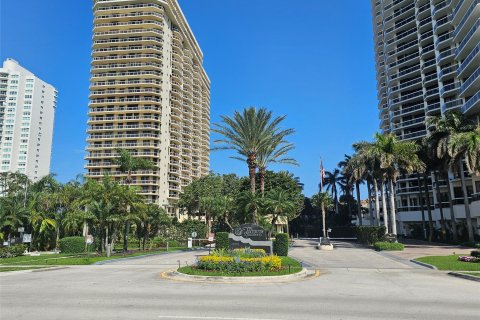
(355, 283)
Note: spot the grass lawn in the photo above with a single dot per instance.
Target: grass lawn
(295, 267)
(450, 263)
(7, 269)
(72, 259)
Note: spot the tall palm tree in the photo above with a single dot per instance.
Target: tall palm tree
(323, 201)
(395, 157)
(332, 180)
(346, 183)
(276, 152)
(356, 168)
(248, 133)
(466, 145)
(251, 203)
(127, 163)
(438, 140)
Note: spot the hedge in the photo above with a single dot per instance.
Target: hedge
(475, 254)
(280, 245)
(222, 241)
(370, 235)
(12, 251)
(72, 245)
(389, 246)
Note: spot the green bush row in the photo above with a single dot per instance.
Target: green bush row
(389, 246)
(221, 241)
(475, 254)
(280, 245)
(72, 245)
(12, 251)
(370, 235)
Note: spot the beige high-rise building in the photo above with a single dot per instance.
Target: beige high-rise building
(149, 94)
(427, 55)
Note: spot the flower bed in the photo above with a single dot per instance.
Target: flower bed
(469, 259)
(239, 264)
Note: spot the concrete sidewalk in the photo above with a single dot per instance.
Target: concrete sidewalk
(417, 248)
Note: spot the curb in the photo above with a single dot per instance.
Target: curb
(302, 275)
(464, 276)
(423, 264)
(99, 263)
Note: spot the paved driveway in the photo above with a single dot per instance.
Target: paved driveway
(355, 283)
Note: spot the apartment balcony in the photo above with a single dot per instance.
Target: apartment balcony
(405, 48)
(127, 57)
(430, 79)
(425, 24)
(413, 135)
(443, 41)
(122, 109)
(101, 43)
(105, 146)
(139, 7)
(449, 89)
(472, 105)
(405, 60)
(408, 123)
(127, 24)
(471, 85)
(119, 92)
(94, 102)
(472, 12)
(452, 105)
(143, 31)
(429, 94)
(447, 72)
(122, 75)
(405, 73)
(442, 25)
(433, 108)
(444, 56)
(124, 17)
(470, 63)
(469, 42)
(408, 111)
(126, 83)
(127, 49)
(92, 129)
(441, 8)
(148, 136)
(404, 25)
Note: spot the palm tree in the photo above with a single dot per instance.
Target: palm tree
(127, 163)
(332, 179)
(356, 169)
(279, 204)
(466, 145)
(346, 182)
(395, 157)
(249, 133)
(274, 153)
(324, 202)
(223, 206)
(438, 140)
(251, 202)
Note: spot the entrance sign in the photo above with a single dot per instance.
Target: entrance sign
(27, 238)
(250, 235)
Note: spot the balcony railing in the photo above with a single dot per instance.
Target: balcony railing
(469, 81)
(449, 87)
(468, 36)
(465, 18)
(471, 102)
(451, 105)
(468, 59)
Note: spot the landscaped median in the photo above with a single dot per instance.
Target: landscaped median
(453, 262)
(242, 263)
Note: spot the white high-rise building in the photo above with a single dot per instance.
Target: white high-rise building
(27, 112)
(150, 94)
(427, 55)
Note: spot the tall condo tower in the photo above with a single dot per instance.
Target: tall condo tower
(149, 94)
(427, 55)
(27, 112)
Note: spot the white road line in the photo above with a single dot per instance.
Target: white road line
(211, 318)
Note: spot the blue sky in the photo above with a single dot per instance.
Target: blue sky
(311, 60)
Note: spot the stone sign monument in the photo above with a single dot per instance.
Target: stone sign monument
(251, 236)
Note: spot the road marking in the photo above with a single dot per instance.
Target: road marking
(211, 318)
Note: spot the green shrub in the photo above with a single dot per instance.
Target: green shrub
(475, 254)
(72, 245)
(221, 241)
(389, 246)
(12, 251)
(370, 235)
(173, 243)
(280, 245)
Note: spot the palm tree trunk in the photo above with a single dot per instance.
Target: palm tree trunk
(384, 206)
(349, 203)
(420, 200)
(125, 236)
(262, 174)
(452, 212)
(336, 201)
(251, 172)
(359, 205)
(370, 208)
(429, 209)
(466, 203)
(440, 204)
(392, 207)
(377, 202)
